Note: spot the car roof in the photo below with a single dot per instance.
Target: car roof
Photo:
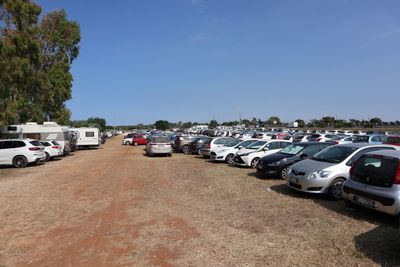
(389, 153)
(361, 145)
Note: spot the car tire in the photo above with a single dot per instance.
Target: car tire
(284, 173)
(47, 157)
(135, 143)
(186, 149)
(335, 189)
(254, 162)
(20, 162)
(127, 143)
(230, 158)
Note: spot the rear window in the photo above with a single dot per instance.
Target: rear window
(56, 143)
(89, 134)
(376, 171)
(45, 143)
(160, 139)
(35, 143)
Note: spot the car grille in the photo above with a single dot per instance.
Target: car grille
(238, 159)
(295, 185)
(212, 154)
(298, 173)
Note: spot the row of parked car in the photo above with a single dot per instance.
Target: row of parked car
(363, 171)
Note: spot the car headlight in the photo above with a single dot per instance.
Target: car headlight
(245, 155)
(319, 175)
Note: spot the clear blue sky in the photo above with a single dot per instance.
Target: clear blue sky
(187, 60)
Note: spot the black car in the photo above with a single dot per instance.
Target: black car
(197, 143)
(277, 164)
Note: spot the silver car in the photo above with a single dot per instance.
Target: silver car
(375, 182)
(159, 145)
(327, 170)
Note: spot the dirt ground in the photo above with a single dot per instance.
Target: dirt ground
(116, 207)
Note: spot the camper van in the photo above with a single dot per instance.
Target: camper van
(87, 137)
(47, 131)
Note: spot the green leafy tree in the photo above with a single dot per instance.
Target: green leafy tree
(161, 125)
(274, 120)
(213, 124)
(35, 62)
(376, 121)
(300, 123)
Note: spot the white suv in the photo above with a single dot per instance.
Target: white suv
(19, 153)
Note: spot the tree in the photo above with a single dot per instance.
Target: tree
(35, 61)
(97, 122)
(300, 123)
(376, 121)
(161, 125)
(213, 124)
(274, 120)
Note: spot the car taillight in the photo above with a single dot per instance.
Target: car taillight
(396, 179)
(56, 147)
(34, 148)
(209, 146)
(319, 139)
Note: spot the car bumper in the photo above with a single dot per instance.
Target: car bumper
(217, 157)
(237, 160)
(160, 150)
(205, 152)
(269, 170)
(301, 183)
(389, 204)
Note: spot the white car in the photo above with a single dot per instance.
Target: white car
(52, 149)
(128, 139)
(227, 153)
(20, 152)
(250, 155)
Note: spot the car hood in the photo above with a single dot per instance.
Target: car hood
(310, 165)
(246, 150)
(275, 157)
(225, 149)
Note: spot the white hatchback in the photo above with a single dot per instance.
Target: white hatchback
(250, 155)
(21, 152)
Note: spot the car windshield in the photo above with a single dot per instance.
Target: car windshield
(334, 154)
(292, 149)
(257, 145)
(233, 143)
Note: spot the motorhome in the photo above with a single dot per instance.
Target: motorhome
(47, 131)
(87, 137)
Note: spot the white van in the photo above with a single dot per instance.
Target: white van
(87, 137)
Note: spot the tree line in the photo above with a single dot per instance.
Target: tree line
(35, 61)
(273, 121)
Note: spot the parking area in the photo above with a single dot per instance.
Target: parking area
(115, 206)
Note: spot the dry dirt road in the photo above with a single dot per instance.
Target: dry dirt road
(115, 207)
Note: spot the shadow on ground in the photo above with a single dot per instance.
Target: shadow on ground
(339, 206)
(380, 245)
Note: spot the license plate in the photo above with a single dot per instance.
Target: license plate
(294, 180)
(364, 202)
(161, 145)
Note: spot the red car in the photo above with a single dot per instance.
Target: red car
(139, 139)
(393, 140)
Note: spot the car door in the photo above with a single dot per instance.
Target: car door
(3, 153)
(8, 152)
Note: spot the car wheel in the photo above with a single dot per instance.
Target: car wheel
(186, 149)
(20, 162)
(335, 190)
(127, 143)
(229, 159)
(135, 143)
(199, 151)
(254, 162)
(284, 173)
(47, 157)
